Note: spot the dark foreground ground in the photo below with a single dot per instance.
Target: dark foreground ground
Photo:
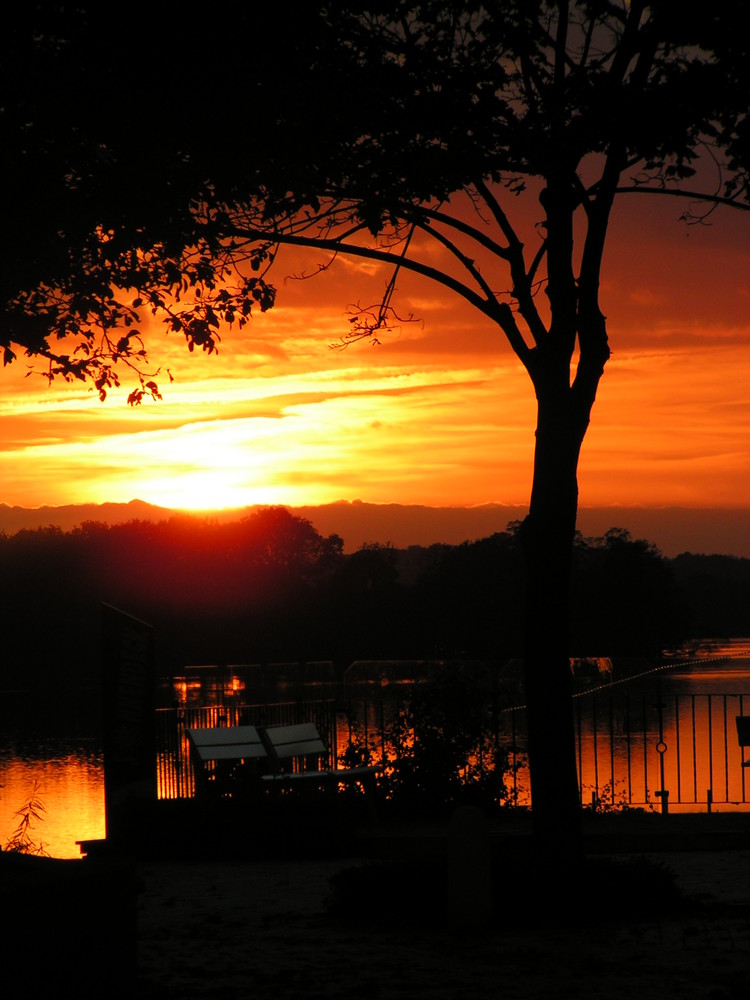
(660, 909)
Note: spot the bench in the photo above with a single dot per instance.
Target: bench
(282, 756)
(214, 753)
(743, 734)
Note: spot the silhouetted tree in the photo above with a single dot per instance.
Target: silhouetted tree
(469, 600)
(256, 588)
(391, 132)
(716, 589)
(625, 599)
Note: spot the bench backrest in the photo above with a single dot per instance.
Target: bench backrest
(227, 743)
(288, 742)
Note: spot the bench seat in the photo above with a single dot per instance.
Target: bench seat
(356, 774)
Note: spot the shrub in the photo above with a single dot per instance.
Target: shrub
(439, 752)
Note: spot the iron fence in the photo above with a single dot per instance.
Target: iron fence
(649, 749)
(634, 747)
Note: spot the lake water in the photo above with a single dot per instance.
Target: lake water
(629, 751)
(67, 776)
(51, 747)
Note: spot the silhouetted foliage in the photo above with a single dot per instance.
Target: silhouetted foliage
(103, 233)
(270, 588)
(469, 598)
(208, 588)
(625, 599)
(443, 752)
(21, 840)
(717, 589)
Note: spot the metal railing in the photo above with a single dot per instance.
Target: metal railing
(649, 749)
(634, 747)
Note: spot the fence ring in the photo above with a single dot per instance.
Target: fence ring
(661, 747)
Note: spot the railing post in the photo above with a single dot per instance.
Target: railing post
(661, 749)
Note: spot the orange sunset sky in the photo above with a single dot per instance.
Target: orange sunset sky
(440, 414)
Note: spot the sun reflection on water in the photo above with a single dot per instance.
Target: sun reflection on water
(71, 789)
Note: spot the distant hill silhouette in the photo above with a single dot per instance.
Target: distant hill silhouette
(13, 519)
(672, 529)
(709, 531)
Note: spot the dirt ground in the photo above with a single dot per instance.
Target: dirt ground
(263, 929)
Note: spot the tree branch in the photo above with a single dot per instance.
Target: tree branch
(474, 234)
(488, 308)
(687, 195)
(521, 281)
(466, 262)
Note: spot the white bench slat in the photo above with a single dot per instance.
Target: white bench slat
(295, 741)
(224, 734)
(230, 751)
(227, 743)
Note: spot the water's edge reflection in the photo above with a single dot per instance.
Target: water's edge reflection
(70, 785)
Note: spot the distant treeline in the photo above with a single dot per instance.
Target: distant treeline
(271, 588)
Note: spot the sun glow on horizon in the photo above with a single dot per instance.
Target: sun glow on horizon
(288, 439)
(427, 435)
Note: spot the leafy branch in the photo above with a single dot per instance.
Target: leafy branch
(31, 812)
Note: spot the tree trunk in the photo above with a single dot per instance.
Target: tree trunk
(547, 539)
